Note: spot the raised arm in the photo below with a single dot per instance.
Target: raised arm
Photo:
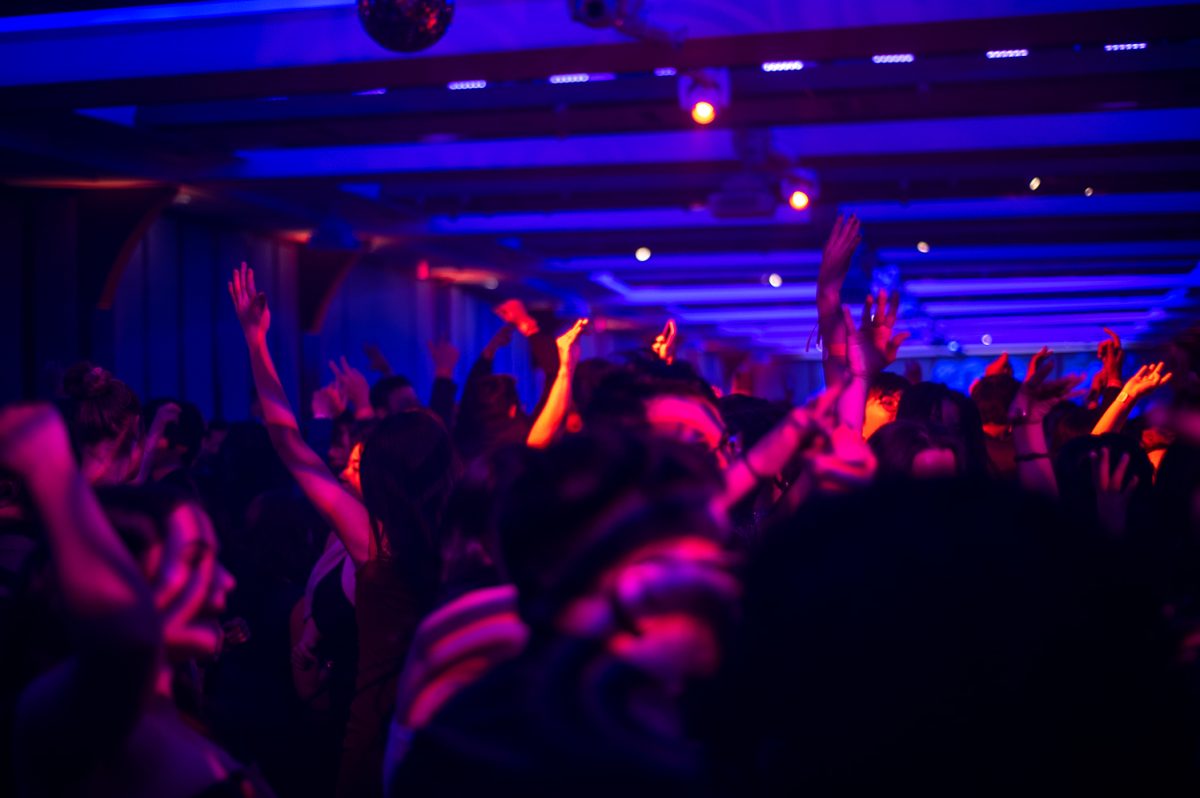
(870, 348)
(1147, 379)
(83, 707)
(336, 505)
(835, 263)
(558, 400)
(1036, 397)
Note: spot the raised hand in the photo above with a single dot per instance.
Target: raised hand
(250, 305)
(354, 385)
(873, 346)
(166, 414)
(568, 351)
(1113, 491)
(445, 357)
(839, 249)
(664, 342)
(1038, 395)
(1112, 356)
(1000, 365)
(329, 401)
(1147, 379)
(377, 361)
(501, 339)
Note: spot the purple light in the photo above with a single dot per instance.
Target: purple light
(370, 93)
(895, 58)
(1049, 285)
(570, 77)
(665, 72)
(782, 66)
(1021, 53)
(465, 85)
(1120, 48)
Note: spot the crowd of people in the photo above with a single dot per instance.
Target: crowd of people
(641, 587)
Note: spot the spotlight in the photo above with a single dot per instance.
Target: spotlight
(466, 85)
(922, 247)
(1035, 184)
(642, 254)
(800, 188)
(954, 346)
(704, 93)
(893, 58)
(1089, 191)
(703, 113)
(1119, 48)
(985, 339)
(775, 281)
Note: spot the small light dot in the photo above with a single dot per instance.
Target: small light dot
(775, 281)
(1089, 191)
(703, 113)
(798, 200)
(922, 246)
(985, 339)
(642, 254)
(954, 346)
(1035, 184)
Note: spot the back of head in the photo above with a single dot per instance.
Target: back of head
(896, 445)
(886, 383)
(187, 433)
(393, 394)
(937, 406)
(993, 395)
(585, 501)
(981, 643)
(97, 406)
(489, 415)
(408, 470)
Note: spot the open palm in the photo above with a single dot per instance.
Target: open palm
(250, 305)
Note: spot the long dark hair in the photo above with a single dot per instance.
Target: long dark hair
(408, 471)
(98, 407)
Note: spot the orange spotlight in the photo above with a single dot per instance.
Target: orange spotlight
(703, 113)
(798, 200)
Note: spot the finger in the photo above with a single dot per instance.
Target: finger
(1118, 474)
(1166, 378)
(881, 303)
(346, 367)
(334, 368)
(1116, 339)
(1131, 487)
(250, 282)
(237, 284)
(866, 312)
(893, 309)
(245, 278)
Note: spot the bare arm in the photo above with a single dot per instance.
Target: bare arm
(80, 710)
(869, 350)
(835, 263)
(1036, 397)
(558, 400)
(1147, 379)
(336, 505)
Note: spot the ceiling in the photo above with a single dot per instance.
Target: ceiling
(1051, 193)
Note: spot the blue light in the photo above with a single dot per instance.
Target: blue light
(954, 346)
(1021, 53)
(895, 58)
(665, 72)
(1119, 48)
(466, 85)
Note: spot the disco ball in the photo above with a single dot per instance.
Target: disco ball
(405, 25)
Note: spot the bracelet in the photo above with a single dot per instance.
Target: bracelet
(1123, 397)
(1025, 458)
